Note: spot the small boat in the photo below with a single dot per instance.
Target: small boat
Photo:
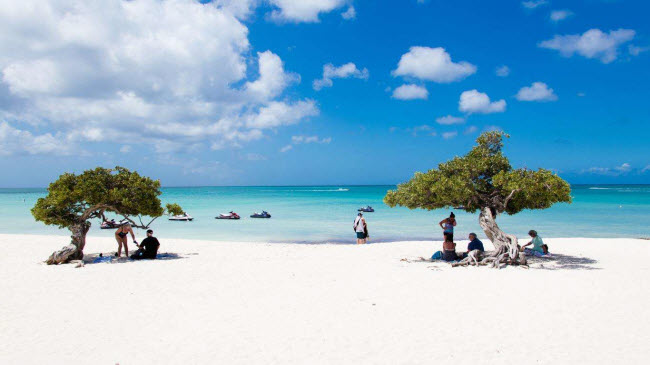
(112, 224)
(231, 215)
(181, 218)
(264, 214)
(367, 209)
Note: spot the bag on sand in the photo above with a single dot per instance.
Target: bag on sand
(437, 255)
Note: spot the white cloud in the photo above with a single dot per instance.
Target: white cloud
(342, 72)
(349, 14)
(432, 64)
(558, 15)
(422, 128)
(286, 148)
(449, 135)
(255, 157)
(277, 114)
(450, 119)
(624, 167)
(636, 50)
(473, 101)
(616, 171)
(471, 129)
(272, 80)
(310, 139)
(125, 149)
(241, 9)
(173, 72)
(302, 10)
(17, 141)
(502, 71)
(533, 4)
(593, 43)
(410, 92)
(538, 91)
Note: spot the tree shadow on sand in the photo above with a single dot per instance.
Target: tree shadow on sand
(95, 258)
(562, 262)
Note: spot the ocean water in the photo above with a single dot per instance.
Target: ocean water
(317, 214)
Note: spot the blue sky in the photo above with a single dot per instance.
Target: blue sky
(223, 93)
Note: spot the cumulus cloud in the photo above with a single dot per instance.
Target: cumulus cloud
(17, 141)
(286, 148)
(538, 91)
(342, 72)
(272, 80)
(636, 50)
(533, 4)
(450, 119)
(349, 14)
(298, 11)
(421, 129)
(502, 71)
(410, 92)
(174, 72)
(125, 149)
(593, 43)
(432, 64)
(241, 9)
(623, 169)
(471, 129)
(473, 101)
(559, 15)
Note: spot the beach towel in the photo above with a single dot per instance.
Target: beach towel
(102, 259)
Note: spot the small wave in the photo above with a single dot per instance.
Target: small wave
(339, 189)
(594, 188)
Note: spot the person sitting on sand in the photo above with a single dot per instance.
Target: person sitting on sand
(120, 236)
(539, 247)
(361, 229)
(148, 249)
(474, 243)
(448, 225)
(449, 249)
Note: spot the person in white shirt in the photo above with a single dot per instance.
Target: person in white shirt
(361, 229)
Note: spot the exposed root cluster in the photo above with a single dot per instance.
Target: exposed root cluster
(496, 259)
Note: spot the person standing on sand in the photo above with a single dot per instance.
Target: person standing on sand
(120, 237)
(448, 225)
(361, 229)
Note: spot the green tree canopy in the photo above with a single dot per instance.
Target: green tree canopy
(73, 200)
(483, 178)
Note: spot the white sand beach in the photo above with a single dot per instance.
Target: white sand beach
(245, 303)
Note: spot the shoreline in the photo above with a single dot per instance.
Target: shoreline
(238, 303)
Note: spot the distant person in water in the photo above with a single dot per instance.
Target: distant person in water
(448, 225)
(539, 247)
(120, 237)
(148, 249)
(361, 229)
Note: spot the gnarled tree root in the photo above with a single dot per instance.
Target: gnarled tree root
(497, 259)
(67, 253)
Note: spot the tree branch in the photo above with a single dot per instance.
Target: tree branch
(507, 200)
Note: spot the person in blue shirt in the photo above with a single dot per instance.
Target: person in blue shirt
(474, 243)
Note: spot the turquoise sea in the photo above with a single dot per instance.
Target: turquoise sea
(313, 214)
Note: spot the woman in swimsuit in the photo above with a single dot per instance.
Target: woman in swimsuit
(120, 236)
(448, 225)
(449, 249)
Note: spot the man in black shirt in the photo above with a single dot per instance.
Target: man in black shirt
(148, 248)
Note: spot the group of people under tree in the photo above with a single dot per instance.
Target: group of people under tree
(147, 249)
(449, 253)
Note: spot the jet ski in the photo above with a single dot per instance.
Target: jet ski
(182, 217)
(264, 214)
(112, 224)
(231, 215)
(367, 209)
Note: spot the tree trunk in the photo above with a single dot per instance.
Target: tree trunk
(73, 251)
(498, 237)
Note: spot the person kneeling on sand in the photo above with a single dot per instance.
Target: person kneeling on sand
(449, 249)
(539, 247)
(148, 248)
(361, 229)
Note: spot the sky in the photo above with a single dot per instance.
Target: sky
(321, 92)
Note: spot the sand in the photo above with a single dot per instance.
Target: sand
(255, 303)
